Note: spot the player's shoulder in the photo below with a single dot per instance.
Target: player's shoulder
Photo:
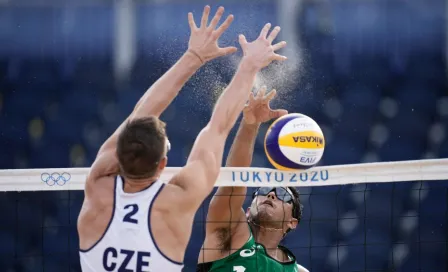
(100, 189)
(170, 191)
(171, 195)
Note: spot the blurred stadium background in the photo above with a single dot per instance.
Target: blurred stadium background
(371, 73)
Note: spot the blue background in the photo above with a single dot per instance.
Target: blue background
(371, 73)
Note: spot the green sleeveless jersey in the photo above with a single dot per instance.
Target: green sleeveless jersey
(252, 257)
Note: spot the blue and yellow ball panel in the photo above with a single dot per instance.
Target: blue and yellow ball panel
(294, 142)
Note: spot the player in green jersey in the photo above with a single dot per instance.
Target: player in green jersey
(239, 241)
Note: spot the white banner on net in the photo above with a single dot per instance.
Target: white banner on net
(74, 178)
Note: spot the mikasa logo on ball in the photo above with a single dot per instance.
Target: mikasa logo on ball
(310, 139)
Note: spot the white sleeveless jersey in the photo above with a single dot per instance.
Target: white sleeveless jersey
(128, 244)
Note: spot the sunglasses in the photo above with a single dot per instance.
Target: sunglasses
(282, 193)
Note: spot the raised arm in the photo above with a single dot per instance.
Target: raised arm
(198, 177)
(227, 203)
(202, 48)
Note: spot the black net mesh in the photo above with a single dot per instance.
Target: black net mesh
(399, 226)
(39, 231)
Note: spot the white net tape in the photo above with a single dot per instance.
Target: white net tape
(74, 178)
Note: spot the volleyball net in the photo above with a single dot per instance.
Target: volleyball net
(363, 217)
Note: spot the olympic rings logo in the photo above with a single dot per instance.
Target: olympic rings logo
(55, 178)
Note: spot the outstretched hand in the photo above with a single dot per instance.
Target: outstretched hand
(258, 109)
(260, 53)
(204, 39)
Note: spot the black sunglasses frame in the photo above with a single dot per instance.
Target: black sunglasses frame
(281, 193)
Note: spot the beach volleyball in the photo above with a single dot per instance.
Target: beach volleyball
(294, 142)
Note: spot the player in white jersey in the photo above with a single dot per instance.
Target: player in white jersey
(130, 220)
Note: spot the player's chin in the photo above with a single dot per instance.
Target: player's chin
(268, 221)
(265, 208)
(265, 212)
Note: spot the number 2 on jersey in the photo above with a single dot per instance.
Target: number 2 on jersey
(133, 210)
(239, 268)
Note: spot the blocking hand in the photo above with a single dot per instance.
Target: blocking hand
(258, 109)
(260, 53)
(204, 39)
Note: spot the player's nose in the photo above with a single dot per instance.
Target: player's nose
(272, 195)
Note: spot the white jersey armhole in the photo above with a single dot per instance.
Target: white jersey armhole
(110, 221)
(151, 233)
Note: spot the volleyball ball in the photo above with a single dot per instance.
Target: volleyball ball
(294, 141)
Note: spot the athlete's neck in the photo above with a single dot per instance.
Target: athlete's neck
(135, 186)
(269, 237)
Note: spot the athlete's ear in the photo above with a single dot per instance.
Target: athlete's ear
(292, 224)
(163, 162)
(248, 211)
